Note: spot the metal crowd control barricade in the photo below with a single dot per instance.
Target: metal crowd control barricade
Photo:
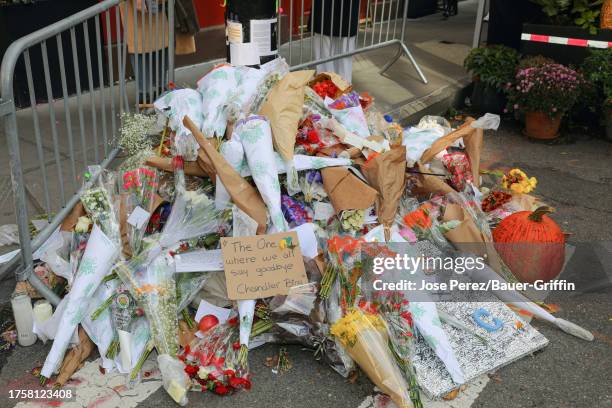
(380, 25)
(60, 143)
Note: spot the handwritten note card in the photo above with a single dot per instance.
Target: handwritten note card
(263, 265)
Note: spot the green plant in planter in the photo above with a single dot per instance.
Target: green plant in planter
(581, 13)
(494, 65)
(597, 68)
(552, 89)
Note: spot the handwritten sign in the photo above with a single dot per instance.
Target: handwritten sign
(263, 265)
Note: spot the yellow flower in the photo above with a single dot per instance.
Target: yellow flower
(282, 244)
(517, 181)
(533, 182)
(347, 328)
(516, 188)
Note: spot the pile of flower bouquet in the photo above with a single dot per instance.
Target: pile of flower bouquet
(256, 151)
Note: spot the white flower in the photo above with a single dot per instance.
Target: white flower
(203, 372)
(82, 225)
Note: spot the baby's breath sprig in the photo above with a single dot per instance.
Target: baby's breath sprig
(134, 132)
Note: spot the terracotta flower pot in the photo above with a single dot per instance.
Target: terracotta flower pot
(539, 125)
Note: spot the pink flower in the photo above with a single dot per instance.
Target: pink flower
(408, 234)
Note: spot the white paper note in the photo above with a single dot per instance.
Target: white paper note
(201, 260)
(138, 217)
(307, 239)
(244, 54)
(206, 308)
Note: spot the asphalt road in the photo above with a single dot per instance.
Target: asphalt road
(569, 373)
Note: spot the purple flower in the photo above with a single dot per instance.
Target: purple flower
(313, 176)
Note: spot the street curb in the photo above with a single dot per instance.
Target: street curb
(436, 102)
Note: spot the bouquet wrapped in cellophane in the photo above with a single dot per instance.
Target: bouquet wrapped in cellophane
(213, 361)
(366, 339)
(149, 276)
(138, 199)
(395, 311)
(343, 265)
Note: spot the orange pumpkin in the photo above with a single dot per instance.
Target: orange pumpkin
(531, 244)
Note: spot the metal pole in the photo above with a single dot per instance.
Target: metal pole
(478, 28)
(404, 48)
(171, 40)
(21, 213)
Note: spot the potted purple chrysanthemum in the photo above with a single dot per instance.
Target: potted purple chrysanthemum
(545, 93)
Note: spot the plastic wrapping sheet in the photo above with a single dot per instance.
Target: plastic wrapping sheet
(175, 105)
(347, 110)
(137, 201)
(233, 152)
(56, 255)
(101, 330)
(256, 137)
(216, 87)
(193, 215)
(152, 284)
(213, 360)
(101, 203)
(365, 338)
(97, 260)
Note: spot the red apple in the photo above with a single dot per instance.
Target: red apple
(208, 322)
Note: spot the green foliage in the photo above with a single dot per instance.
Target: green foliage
(586, 14)
(555, 10)
(597, 68)
(581, 13)
(494, 65)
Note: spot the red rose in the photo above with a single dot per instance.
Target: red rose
(239, 382)
(233, 321)
(313, 136)
(191, 370)
(236, 345)
(229, 373)
(221, 389)
(212, 377)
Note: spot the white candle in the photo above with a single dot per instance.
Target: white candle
(42, 311)
(24, 318)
